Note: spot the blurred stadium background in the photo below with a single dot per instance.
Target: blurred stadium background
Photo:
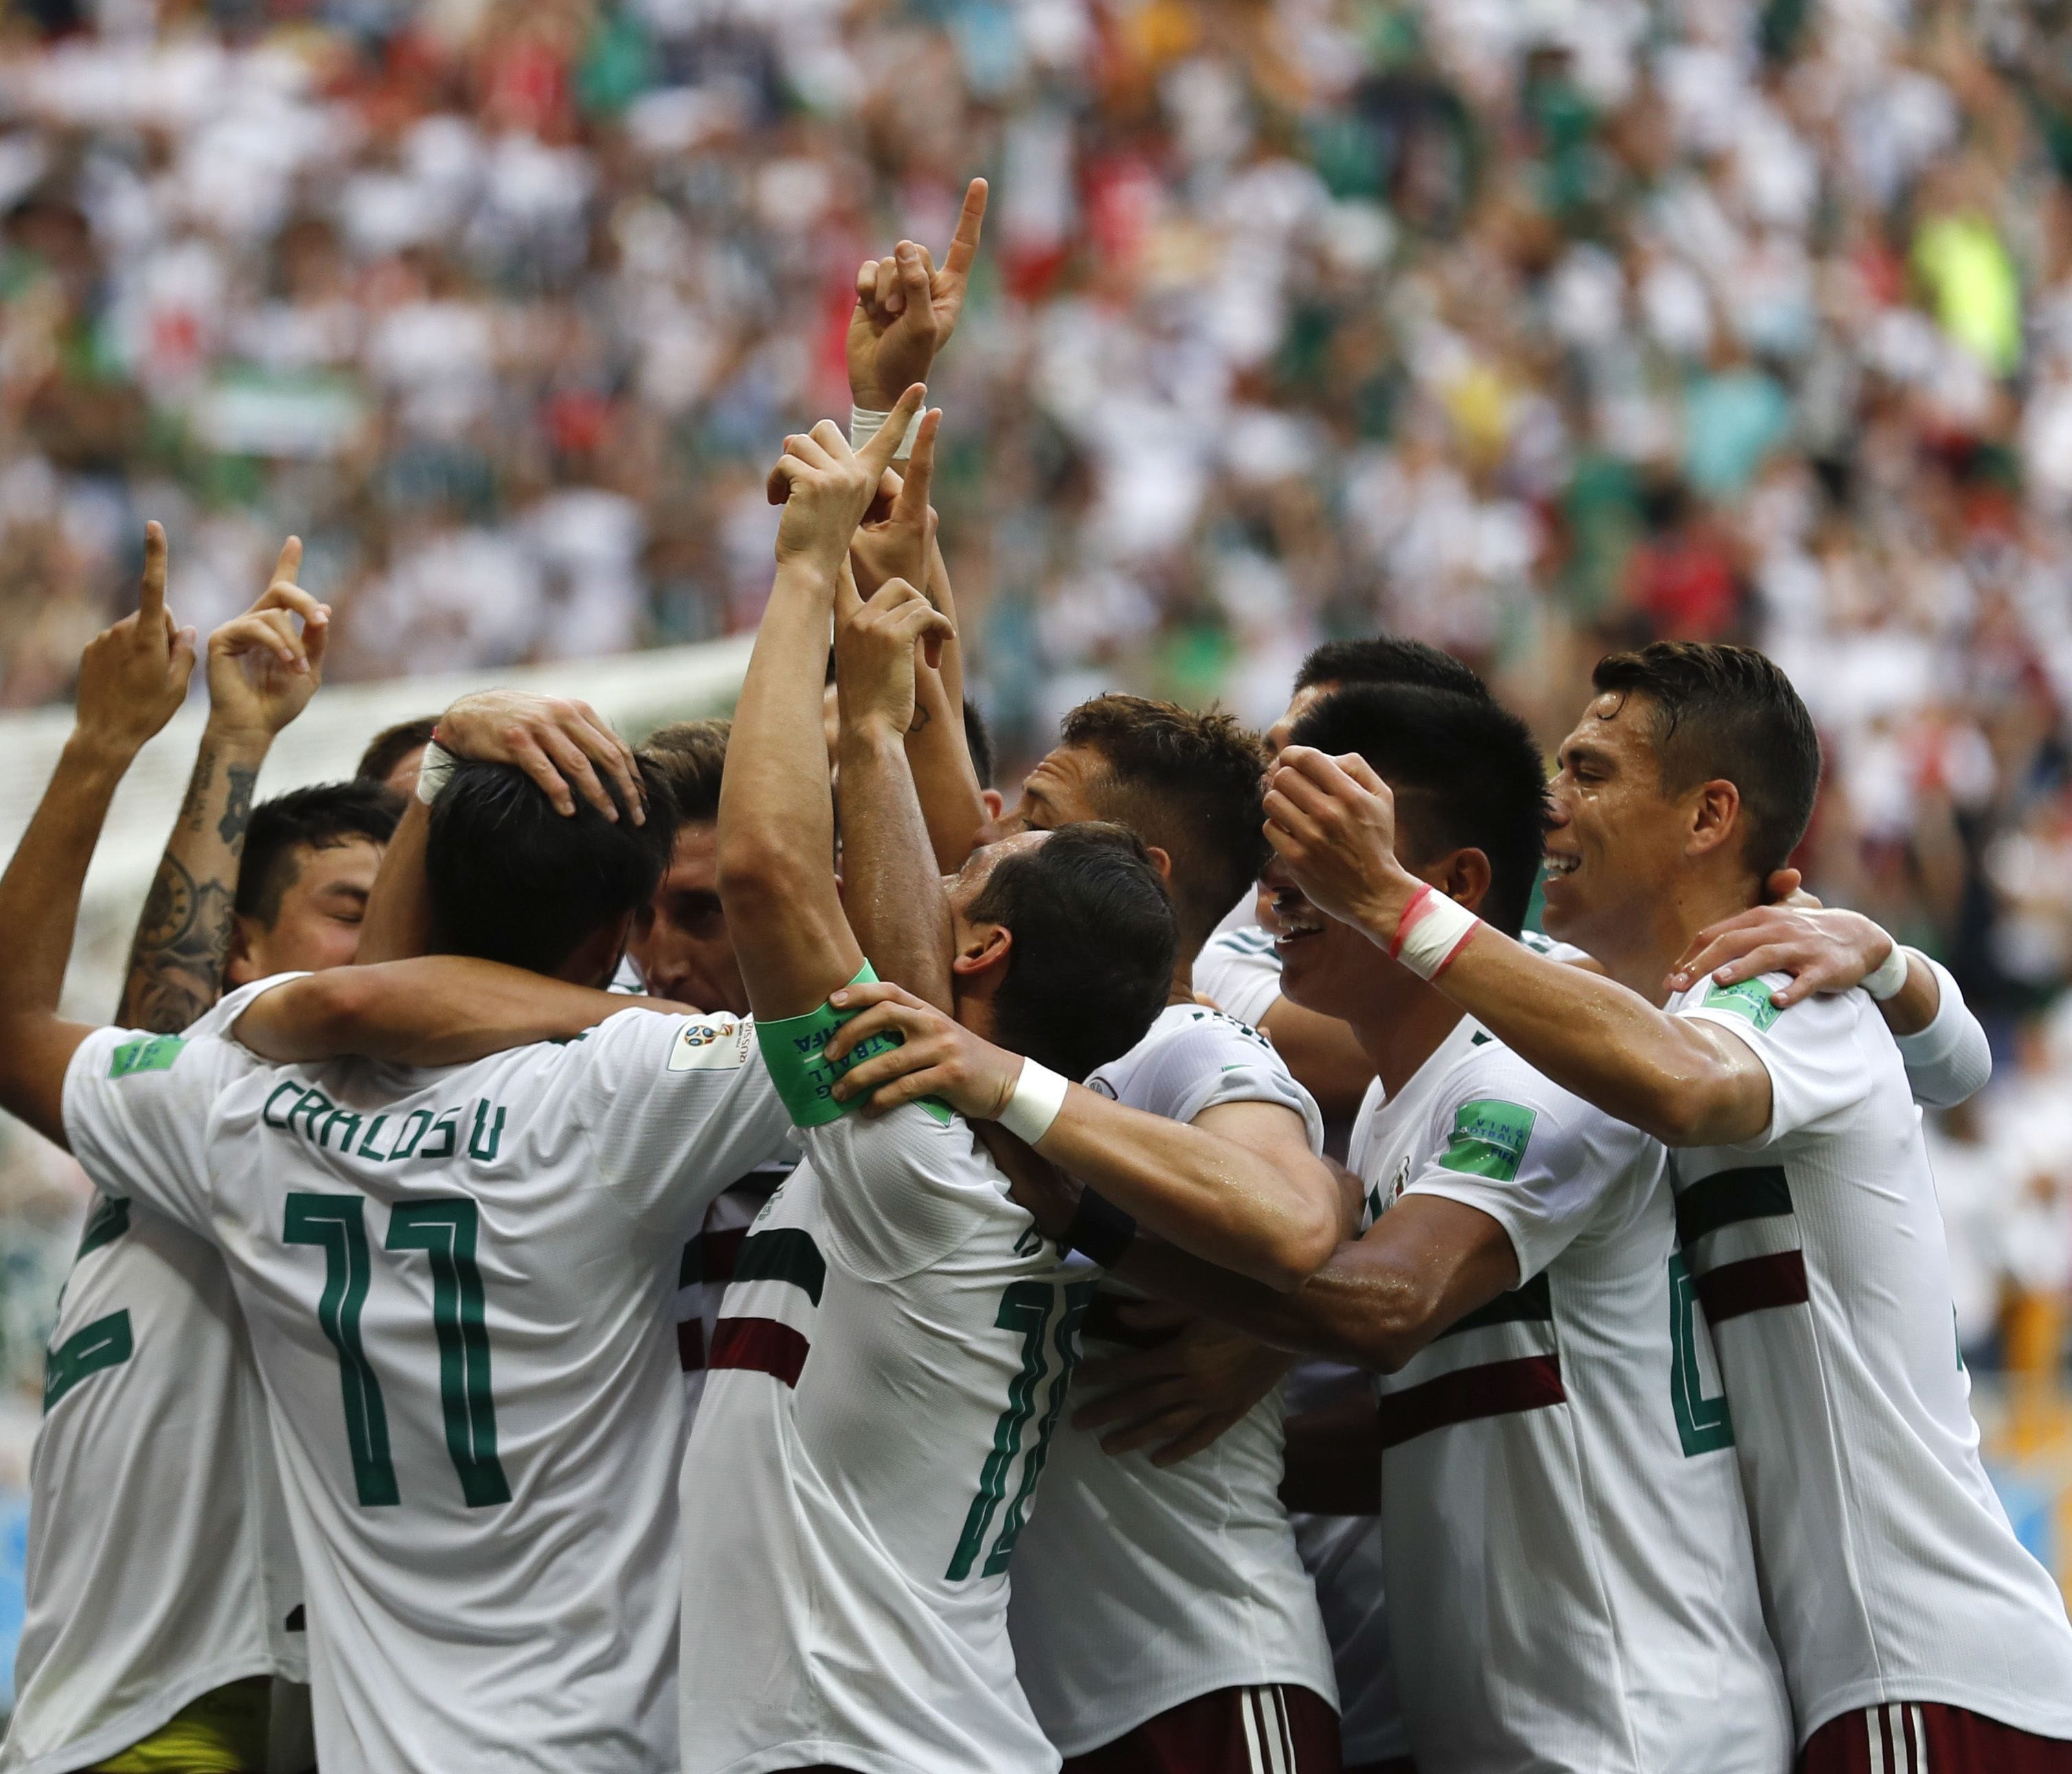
(1526, 326)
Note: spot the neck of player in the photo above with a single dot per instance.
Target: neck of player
(1643, 938)
(1405, 1027)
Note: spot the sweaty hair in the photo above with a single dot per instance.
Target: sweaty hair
(1466, 773)
(320, 817)
(691, 756)
(1387, 658)
(511, 880)
(1091, 962)
(390, 746)
(1189, 783)
(978, 742)
(1726, 713)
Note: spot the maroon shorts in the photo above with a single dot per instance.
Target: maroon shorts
(1922, 1737)
(1233, 1730)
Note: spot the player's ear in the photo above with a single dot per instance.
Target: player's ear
(995, 804)
(241, 967)
(984, 952)
(1464, 877)
(1162, 861)
(1714, 810)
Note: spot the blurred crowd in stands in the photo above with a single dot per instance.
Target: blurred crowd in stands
(1530, 327)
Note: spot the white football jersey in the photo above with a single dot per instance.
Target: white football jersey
(160, 1564)
(708, 1267)
(1343, 1555)
(1890, 1571)
(884, 1382)
(1240, 971)
(1560, 1503)
(1140, 1586)
(457, 1282)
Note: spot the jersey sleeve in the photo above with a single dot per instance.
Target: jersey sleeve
(676, 1108)
(1542, 1164)
(1240, 973)
(1214, 1060)
(1817, 1069)
(137, 1114)
(222, 1015)
(901, 1191)
(1951, 1060)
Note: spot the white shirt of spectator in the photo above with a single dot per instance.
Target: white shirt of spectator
(458, 1286)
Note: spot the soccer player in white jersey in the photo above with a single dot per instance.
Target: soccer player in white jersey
(892, 1356)
(456, 1277)
(1558, 1499)
(164, 1616)
(1162, 1616)
(1912, 1624)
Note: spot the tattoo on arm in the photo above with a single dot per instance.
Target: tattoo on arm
(183, 938)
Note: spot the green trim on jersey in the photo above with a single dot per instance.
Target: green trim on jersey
(146, 1054)
(1750, 998)
(108, 1221)
(794, 1049)
(105, 1343)
(1489, 1138)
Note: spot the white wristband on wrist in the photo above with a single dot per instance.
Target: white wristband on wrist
(432, 773)
(864, 424)
(1433, 930)
(1039, 1094)
(1889, 977)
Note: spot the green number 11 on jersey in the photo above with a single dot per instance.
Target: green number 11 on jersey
(445, 1227)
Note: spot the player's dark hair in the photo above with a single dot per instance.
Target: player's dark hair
(512, 879)
(390, 746)
(978, 742)
(1730, 714)
(320, 817)
(691, 757)
(1387, 658)
(1091, 963)
(1467, 775)
(1189, 783)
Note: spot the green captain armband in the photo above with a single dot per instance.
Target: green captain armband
(794, 1048)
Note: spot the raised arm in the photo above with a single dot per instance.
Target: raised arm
(1333, 822)
(1243, 1196)
(263, 668)
(436, 1010)
(776, 815)
(132, 679)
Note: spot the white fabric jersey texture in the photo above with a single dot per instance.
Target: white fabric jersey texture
(1140, 1586)
(888, 1370)
(1558, 1487)
(160, 1561)
(1891, 1573)
(457, 1282)
(1240, 973)
(708, 1267)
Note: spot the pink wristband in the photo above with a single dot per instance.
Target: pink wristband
(1433, 930)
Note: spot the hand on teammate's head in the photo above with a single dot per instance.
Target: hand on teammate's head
(1332, 822)
(826, 487)
(133, 677)
(265, 664)
(906, 309)
(558, 741)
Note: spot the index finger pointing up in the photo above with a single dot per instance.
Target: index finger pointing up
(151, 588)
(963, 244)
(290, 562)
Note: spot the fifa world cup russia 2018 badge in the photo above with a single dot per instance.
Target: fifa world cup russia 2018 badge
(720, 1044)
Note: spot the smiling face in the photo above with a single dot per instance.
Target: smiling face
(681, 942)
(1617, 841)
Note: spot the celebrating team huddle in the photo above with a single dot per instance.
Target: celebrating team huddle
(751, 1254)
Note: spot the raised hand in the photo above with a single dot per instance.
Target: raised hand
(556, 740)
(875, 642)
(905, 309)
(1332, 821)
(264, 666)
(133, 677)
(893, 540)
(826, 487)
